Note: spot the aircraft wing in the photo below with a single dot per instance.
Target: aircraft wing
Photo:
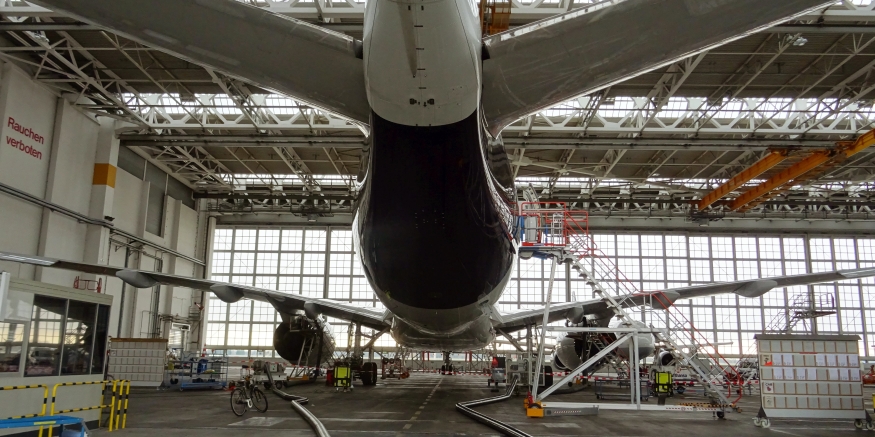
(550, 61)
(283, 302)
(306, 62)
(759, 287)
(750, 288)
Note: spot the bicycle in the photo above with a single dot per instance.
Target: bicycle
(247, 396)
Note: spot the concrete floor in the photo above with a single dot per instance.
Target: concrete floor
(424, 405)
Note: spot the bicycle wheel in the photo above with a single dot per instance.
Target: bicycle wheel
(238, 401)
(259, 400)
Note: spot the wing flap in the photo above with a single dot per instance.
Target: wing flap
(548, 62)
(282, 54)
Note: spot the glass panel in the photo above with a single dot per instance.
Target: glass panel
(721, 247)
(314, 264)
(240, 311)
(262, 311)
(44, 346)
(314, 240)
(100, 336)
(675, 246)
(651, 245)
(216, 333)
(11, 342)
(238, 334)
(268, 240)
(292, 240)
(222, 239)
(794, 248)
(820, 249)
(341, 240)
(221, 262)
(267, 263)
(699, 247)
(78, 338)
(244, 239)
(217, 310)
(770, 248)
(290, 264)
(262, 334)
(340, 263)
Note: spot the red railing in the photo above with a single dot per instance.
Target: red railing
(87, 284)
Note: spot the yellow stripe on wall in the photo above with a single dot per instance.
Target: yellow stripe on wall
(104, 174)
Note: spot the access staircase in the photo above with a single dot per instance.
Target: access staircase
(567, 233)
(803, 307)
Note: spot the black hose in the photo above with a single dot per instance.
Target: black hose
(297, 404)
(466, 409)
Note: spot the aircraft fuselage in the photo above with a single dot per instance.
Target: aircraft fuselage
(432, 226)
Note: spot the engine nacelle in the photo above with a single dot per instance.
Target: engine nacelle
(290, 338)
(566, 353)
(665, 362)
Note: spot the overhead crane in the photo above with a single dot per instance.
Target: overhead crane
(810, 165)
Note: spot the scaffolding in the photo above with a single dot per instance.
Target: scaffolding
(549, 230)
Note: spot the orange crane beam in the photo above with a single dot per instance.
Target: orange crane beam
(796, 170)
(843, 151)
(760, 167)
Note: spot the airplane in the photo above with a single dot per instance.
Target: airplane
(433, 226)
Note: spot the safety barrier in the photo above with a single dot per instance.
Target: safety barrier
(26, 387)
(120, 390)
(122, 411)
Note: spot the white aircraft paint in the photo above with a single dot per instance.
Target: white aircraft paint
(422, 60)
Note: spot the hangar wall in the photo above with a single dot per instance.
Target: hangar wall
(59, 154)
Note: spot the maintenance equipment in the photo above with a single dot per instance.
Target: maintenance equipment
(466, 408)
(298, 403)
(342, 377)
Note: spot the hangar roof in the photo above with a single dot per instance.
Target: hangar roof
(655, 144)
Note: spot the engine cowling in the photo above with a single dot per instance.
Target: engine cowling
(566, 354)
(290, 337)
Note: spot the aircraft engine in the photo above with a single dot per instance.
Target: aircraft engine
(299, 333)
(665, 360)
(566, 354)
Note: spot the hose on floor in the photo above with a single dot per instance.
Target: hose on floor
(298, 403)
(466, 408)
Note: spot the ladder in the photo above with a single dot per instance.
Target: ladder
(617, 304)
(575, 244)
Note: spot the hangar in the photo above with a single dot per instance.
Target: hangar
(403, 200)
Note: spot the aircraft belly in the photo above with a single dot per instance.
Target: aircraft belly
(431, 232)
(478, 334)
(422, 61)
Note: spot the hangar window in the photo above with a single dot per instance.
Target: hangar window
(11, 343)
(78, 338)
(44, 347)
(319, 262)
(67, 337)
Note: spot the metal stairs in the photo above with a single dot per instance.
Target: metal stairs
(705, 377)
(550, 228)
(803, 307)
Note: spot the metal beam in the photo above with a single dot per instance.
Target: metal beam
(533, 143)
(801, 168)
(796, 170)
(760, 167)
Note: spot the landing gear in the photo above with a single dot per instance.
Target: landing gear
(447, 368)
(368, 373)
